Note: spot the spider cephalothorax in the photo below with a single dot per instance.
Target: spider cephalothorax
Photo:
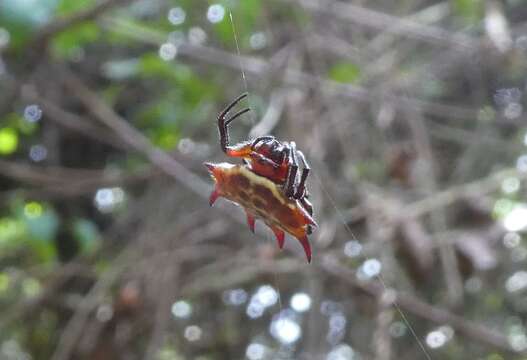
(267, 185)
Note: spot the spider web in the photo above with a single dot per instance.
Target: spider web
(337, 210)
(268, 238)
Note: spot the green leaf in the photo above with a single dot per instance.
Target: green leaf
(179, 76)
(20, 124)
(167, 139)
(67, 7)
(5, 281)
(8, 141)
(11, 230)
(470, 10)
(21, 18)
(345, 73)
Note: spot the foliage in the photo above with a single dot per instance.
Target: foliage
(410, 113)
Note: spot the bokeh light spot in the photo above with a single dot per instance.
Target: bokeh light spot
(182, 309)
(33, 210)
(516, 219)
(436, 339)
(352, 248)
(176, 16)
(258, 40)
(266, 295)
(197, 36)
(510, 185)
(521, 163)
(235, 297)
(517, 282)
(285, 330)
(193, 333)
(341, 352)
(32, 113)
(104, 313)
(108, 199)
(8, 141)
(301, 302)
(369, 269)
(517, 337)
(167, 51)
(38, 153)
(255, 351)
(215, 13)
(511, 240)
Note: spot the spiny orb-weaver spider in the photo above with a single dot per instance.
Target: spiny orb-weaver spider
(267, 184)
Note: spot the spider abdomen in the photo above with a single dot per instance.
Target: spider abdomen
(263, 199)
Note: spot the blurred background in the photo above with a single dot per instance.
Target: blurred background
(409, 112)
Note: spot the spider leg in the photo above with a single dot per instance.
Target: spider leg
(223, 122)
(309, 208)
(263, 160)
(307, 205)
(293, 169)
(261, 138)
(241, 112)
(305, 171)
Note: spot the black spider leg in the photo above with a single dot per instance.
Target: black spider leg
(223, 122)
(305, 171)
(309, 208)
(263, 160)
(261, 138)
(307, 205)
(290, 180)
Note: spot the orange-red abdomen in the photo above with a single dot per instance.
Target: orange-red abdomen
(263, 199)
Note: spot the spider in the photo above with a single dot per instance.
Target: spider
(268, 157)
(268, 185)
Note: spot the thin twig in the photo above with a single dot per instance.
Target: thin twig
(61, 24)
(382, 344)
(390, 24)
(67, 180)
(133, 137)
(417, 307)
(75, 326)
(447, 255)
(449, 196)
(72, 121)
(261, 68)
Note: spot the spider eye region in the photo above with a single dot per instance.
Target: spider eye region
(262, 199)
